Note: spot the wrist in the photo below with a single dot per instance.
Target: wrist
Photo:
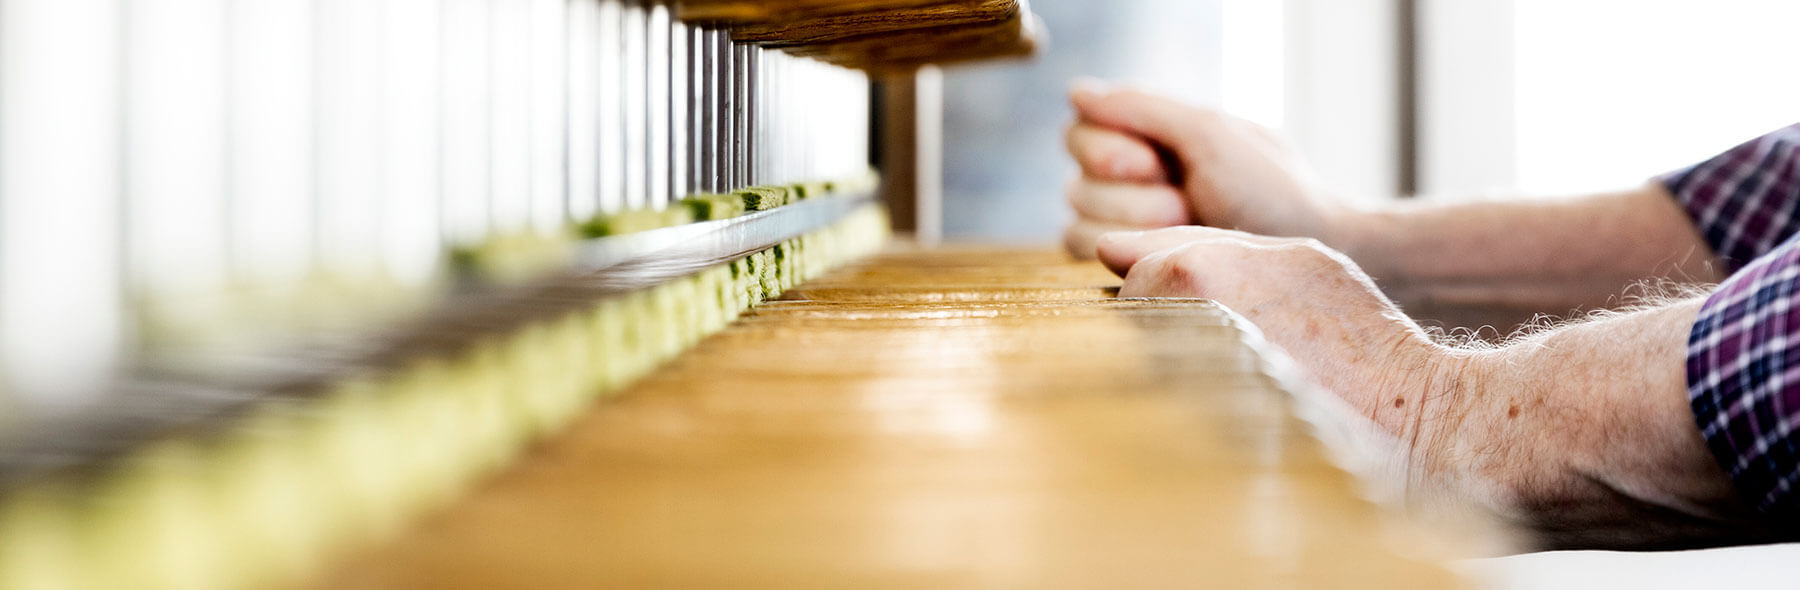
(1430, 384)
(1461, 381)
(1503, 440)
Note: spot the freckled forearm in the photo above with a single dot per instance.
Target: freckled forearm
(1587, 431)
(1581, 434)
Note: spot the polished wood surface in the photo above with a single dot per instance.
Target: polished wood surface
(908, 49)
(866, 12)
(876, 35)
(799, 28)
(968, 417)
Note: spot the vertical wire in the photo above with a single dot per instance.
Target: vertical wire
(679, 109)
(612, 106)
(583, 132)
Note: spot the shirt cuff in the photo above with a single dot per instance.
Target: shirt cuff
(1743, 375)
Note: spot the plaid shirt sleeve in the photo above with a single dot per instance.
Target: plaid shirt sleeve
(1743, 363)
(1746, 200)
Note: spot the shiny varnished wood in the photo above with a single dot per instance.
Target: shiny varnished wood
(845, 21)
(932, 418)
(908, 49)
(877, 35)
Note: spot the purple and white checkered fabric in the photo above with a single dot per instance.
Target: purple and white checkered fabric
(1743, 364)
(1746, 200)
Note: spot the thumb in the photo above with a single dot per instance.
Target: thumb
(1163, 121)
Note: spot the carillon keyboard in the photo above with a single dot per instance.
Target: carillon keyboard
(277, 276)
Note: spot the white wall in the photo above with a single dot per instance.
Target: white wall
(1324, 74)
(1466, 117)
(1610, 92)
(1004, 162)
(1567, 96)
(1343, 92)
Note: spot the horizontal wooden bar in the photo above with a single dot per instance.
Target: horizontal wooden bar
(968, 417)
(834, 27)
(887, 35)
(902, 51)
(743, 11)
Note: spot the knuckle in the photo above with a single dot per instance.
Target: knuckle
(1318, 249)
(1110, 161)
(1075, 192)
(1309, 253)
(1186, 268)
(1075, 139)
(1311, 246)
(1170, 209)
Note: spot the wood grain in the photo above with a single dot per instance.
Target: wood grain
(817, 28)
(906, 50)
(879, 35)
(765, 11)
(963, 417)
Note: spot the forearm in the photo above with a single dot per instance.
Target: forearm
(1480, 263)
(1585, 436)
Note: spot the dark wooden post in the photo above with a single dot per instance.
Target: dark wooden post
(911, 151)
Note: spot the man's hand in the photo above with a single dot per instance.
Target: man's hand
(1581, 435)
(1123, 186)
(1305, 297)
(1149, 162)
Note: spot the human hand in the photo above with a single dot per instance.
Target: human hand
(1124, 185)
(1581, 435)
(1309, 299)
(1316, 305)
(1150, 162)
(1322, 310)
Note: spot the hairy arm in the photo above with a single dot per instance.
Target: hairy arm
(1499, 263)
(1581, 434)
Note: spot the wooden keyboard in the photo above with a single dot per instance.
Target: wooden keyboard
(955, 417)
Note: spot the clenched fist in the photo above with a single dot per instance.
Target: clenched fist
(1149, 162)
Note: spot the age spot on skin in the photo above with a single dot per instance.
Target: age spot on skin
(1399, 401)
(1512, 412)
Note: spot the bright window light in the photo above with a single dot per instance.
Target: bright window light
(1610, 92)
(1254, 61)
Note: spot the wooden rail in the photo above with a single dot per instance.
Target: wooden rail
(888, 35)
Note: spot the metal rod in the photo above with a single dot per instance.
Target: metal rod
(681, 109)
(697, 76)
(657, 118)
(741, 115)
(636, 90)
(612, 107)
(709, 111)
(728, 93)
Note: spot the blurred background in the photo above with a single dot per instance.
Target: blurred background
(218, 173)
(1003, 122)
(1444, 98)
